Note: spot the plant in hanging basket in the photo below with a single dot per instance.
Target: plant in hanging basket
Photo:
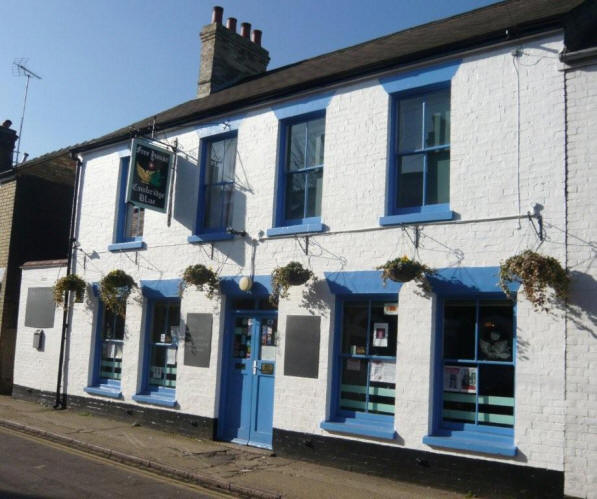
(404, 269)
(292, 274)
(536, 273)
(203, 278)
(115, 288)
(72, 283)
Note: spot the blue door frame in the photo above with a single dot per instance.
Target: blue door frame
(246, 409)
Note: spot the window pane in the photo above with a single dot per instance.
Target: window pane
(314, 187)
(459, 330)
(218, 206)
(295, 196)
(229, 159)
(354, 328)
(353, 388)
(134, 221)
(410, 181)
(383, 329)
(410, 126)
(215, 162)
(496, 395)
(159, 323)
(438, 177)
(241, 346)
(296, 148)
(437, 119)
(315, 137)
(495, 331)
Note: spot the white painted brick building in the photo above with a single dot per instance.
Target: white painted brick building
(520, 123)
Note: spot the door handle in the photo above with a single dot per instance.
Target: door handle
(254, 367)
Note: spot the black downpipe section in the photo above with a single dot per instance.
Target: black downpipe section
(61, 397)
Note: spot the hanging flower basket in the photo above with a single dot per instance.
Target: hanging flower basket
(536, 273)
(203, 278)
(292, 274)
(404, 269)
(71, 283)
(114, 290)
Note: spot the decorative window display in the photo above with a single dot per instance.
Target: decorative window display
(478, 364)
(368, 357)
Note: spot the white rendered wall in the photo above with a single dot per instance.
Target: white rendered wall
(581, 334)
(500, 153)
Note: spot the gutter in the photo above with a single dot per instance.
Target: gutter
(578, 55)
(61, 397)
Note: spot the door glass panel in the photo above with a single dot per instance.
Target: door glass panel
(268, 339)
(241, 344)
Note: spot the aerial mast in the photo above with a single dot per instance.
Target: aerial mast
(19, 69)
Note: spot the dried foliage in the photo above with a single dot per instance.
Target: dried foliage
(72, 283)
(292, 274)
(404, 269)
(537, 273)
(205, 279)
(114, 290)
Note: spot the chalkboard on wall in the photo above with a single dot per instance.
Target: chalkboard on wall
(197, 349)
(40, 308)
(301, 355)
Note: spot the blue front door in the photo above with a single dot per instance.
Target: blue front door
(248, 401)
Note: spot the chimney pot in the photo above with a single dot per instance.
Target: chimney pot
(256, 37)
(231, 24)
(216, 15)
(245, 30)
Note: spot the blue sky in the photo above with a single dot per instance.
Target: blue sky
(108, 63)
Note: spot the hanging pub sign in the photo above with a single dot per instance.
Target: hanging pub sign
(149, 175)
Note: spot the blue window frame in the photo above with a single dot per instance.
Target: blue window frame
(217, 180)
(129, 218)
(107, 364)
(300, 179)
(475, 375)
(419, 150)
(161, 348)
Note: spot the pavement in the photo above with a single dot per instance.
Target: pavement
(239, 470)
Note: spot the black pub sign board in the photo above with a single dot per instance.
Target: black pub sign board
(149, 175)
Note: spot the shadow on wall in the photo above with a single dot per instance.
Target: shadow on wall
(582, 310)
(186, 194)
(237, 252)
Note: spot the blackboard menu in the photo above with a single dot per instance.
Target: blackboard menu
(301, 355)
(197, 349)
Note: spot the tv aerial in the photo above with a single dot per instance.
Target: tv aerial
(19, 68)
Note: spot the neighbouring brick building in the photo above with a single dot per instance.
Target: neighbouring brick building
(458, 143)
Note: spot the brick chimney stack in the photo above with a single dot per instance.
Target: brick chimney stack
(226, 56)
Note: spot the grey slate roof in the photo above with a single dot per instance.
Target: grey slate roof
(492, 24)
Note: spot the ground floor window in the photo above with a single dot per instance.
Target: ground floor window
(367, 357)
(164, 344)
(478, 365)
(112, 338)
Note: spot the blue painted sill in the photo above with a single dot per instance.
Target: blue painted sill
(104, 391)
(154, 399)
(210, 237)
(131, 245)
(295, 229)
(416, 217)
(385, 432)
(502, 445)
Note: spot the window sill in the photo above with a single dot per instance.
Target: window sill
(209, 237)
(130, 245)
(416, 217)
(485, 443)
(295, 229)
(104, 391)
(382, 431)
(154, 399)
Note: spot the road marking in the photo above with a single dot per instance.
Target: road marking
(93, 457)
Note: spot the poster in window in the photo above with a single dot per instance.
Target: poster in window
(460, 379)
(380, 334)
(382, 372)
(149, 175)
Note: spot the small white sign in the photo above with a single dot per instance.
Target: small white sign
(171, 356)
(383, 372)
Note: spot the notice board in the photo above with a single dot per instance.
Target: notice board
(301, 354)
(40, 308)
(197, 349)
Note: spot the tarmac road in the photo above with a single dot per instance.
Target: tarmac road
(30, 467)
